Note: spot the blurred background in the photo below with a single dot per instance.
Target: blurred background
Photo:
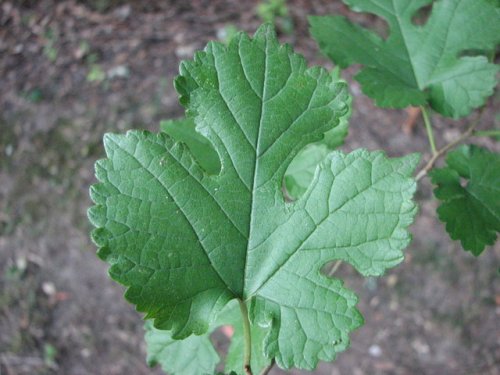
(71, 71)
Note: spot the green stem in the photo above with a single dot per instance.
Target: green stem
(428, 127)
(248, 338)
(486, 133)
(449, 146)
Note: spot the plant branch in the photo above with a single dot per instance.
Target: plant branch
(428, 127)
(468, 133)
(248, 338)
(266, 370)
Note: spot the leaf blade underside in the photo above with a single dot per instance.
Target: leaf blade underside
(185, 243)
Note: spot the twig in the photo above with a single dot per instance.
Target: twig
(469, 132)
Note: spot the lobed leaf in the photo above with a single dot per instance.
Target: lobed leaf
(470, 209)
(186, 243)
(418, 64)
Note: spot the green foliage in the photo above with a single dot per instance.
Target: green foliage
(186, 243)
(49, 354)
(196, 354)
(34, 96)
(471, 212)
(276, 13)
(183, 130)
(103, 6)
(300, 172)
(418, 64)
(269, 10)
(96, 74)
(49, 49)
(227, 33)
(192, 356)
(231, 315)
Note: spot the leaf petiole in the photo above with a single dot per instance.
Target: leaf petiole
(248, 338)
(469, 132)
(428, 127)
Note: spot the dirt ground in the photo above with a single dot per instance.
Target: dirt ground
(71, 71)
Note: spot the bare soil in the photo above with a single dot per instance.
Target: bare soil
(71, 71)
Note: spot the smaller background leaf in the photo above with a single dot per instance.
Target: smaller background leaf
(234, 360)
(194, 355)
(300, 172)
(184, 130)
(441, 62)
(469, 191)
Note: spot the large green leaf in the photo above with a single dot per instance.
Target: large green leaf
(418, 64)
(470, 209)
(186, 243)
(300, 172)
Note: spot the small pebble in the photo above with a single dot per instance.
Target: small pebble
(49, 288)
(9, 149)
(391, 281)
(375, 351)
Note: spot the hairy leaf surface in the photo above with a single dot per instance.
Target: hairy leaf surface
(471, 210)
(418, 64)
(185, 243)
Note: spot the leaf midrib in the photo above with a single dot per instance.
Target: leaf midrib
(256, 166)
(401, 30)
